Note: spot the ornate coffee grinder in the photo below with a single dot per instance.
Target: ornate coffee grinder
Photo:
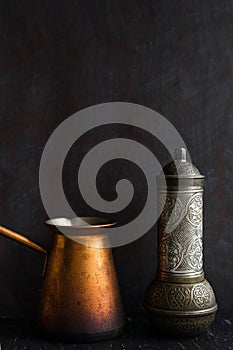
(180, 301)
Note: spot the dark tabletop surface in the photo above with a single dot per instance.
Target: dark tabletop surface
(22, 335)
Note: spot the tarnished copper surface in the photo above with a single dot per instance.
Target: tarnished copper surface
(80, 299)
(80, 295)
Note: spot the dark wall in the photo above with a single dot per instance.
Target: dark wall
(58, 57)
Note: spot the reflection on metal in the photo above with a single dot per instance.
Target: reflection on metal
(180, 301)
(80, 298)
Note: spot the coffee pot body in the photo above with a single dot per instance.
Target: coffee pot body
(80, 299)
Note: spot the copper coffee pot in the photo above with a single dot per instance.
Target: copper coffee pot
(80, 298)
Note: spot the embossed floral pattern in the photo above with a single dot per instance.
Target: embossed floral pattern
(195, 210)
(182, 297)
(201, 296)
(172, 210)
(174, 255)
(172, 251)
(195, 255)
(179, 297)
(157, 295)
(180, 245)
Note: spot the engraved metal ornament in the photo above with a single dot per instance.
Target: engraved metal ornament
(180, 249)
(180, 301)
(182, 297)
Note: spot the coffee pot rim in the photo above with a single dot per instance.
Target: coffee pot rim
(84, 222)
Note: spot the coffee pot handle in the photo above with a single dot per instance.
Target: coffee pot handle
(25, 241)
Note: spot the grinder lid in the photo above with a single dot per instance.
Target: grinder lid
(180, 166)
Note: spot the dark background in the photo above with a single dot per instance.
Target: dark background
(58, 57)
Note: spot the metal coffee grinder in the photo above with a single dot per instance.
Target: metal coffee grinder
(180, 301)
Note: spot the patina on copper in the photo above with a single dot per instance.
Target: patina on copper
(180, 301)
(80, 299)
